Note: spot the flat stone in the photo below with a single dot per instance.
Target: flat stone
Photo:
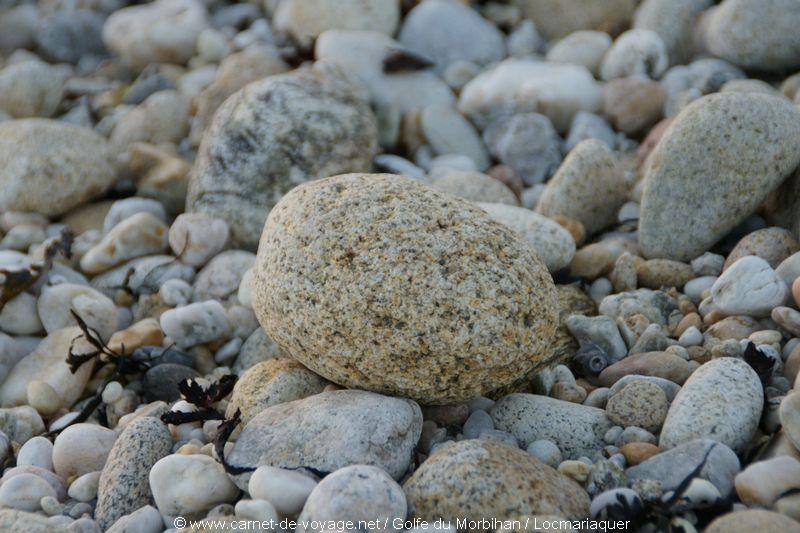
(763, 482)
(658, 364)
(576, 429)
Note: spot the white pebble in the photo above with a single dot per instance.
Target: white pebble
(286, 490)
(196, 323)
(38, 451)
(24, 492)
(84, 488)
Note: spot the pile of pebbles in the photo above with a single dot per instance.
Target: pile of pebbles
(531, 260)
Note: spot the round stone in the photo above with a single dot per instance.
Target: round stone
(408, 272)
(640, 403)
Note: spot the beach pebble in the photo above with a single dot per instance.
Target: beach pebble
(124, 486)
(744, 521)
(188, 484)
(19, 315)
(576, 429)
(562, 91)
(475, 186)
(161, 382)
(446, 32)
(637, 52)
(555, 18)
(272, 382)
(138, 235)
(755, 34)
(640, 404)
(545, 451)
(722, 400)
(585, 48)
(331, 430)
(673, 21)
(421, 218)
(164, 31)
(527, 143)
(196, 238)
(221, 277)
(24, 492)
(358, 493)
(56, 304)
(706, 133)
(763, 482)
(456, 480)
(773, 245)
(588, 187)
(748, 287)
(657, 364)
(305, 20)
(600, 330)
(551, 241)
(31, 88)
(195, 323)
(284, 149)
(633, 105)
(82, 448)
(789, 413)
(76, 167)
(84, 488)
(286, 490)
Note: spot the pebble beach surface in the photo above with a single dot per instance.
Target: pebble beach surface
(399, 265)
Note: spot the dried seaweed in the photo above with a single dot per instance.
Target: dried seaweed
(404, 61)
(759, 361)
(16, 282)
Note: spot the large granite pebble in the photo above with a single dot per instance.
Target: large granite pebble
(439, 302)
(49, 167)
(356, 493)
(331, 430)
(712, 169)
(576, 429)
(476, 479)
(523, 85)
(273, 135)
(552, 242)
(589, 186)
(722, 400)
(124, 485)
(672, 466)
(756, 34)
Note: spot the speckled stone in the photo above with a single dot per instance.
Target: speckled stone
(589, 187)
(639, 404)
(49, 167)
(124, 484)
(261, 144)
(272, 382)
(356, 493)
(476, 479)
(476, 186)
(753, 520)
(552, 242)
(331, 430)
(756, 34)
(722, 400)
(688, 204)
(773, 245)
(576, 429)
(441, 303)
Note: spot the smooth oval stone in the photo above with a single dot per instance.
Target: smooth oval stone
(49, 167)
(716, 163)
(381, 283)
(557, 18)
(721, 400)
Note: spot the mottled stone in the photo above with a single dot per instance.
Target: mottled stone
(331, 430)
(773, 245)
(688, 203)
(475, 186)
(576, 429)
(354, 225)
(124, 485)
(722, 400)
(588, 187)
(49, 167)
(476, 479)
(639, 404)
(261, 144)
